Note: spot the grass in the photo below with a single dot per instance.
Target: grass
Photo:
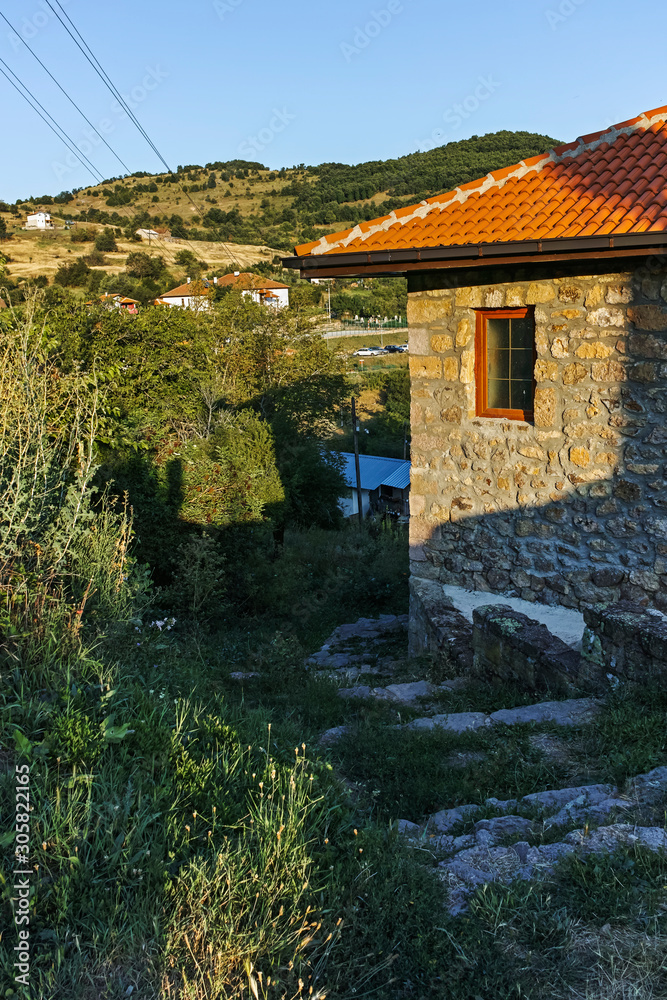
(34, 253)
(190, 842)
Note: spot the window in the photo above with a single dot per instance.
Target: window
(504, 363)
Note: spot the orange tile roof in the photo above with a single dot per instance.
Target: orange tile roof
(248, 280)
(606, 183)
(190, 288)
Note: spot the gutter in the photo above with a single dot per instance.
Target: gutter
(403, 261)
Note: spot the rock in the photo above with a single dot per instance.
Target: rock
(548, 855)
(650, 787)
(505, 805)
(608, 838)
(333, 735)
(557, 798)
(489, 831)
(446, 819)
(477, 866)
(458, 722)
(361, 691)
(406, 693)
(581, 809)
(408, 829)
(240, 675)
(572, 712)
(521, 849)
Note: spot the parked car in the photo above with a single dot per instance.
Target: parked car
(367, 352)
(403, 348)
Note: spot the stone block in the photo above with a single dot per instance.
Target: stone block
(424, 311)
(594, 350)
(442, 342)
(546, 371)
(450, 367)
(425, 367)
(608, 371)
(648, 317)
(467, 367)
(545, 407)
(539, 292)
(580, 457)
(508, 645)
(574, 373)
(647, 346)
(463, 333)
(626, 639)
(607, 317)
(469, 297)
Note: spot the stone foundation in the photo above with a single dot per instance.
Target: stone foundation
(437, 628)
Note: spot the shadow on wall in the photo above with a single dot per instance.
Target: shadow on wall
(570, 509)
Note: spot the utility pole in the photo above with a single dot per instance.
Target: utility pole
(360, 506)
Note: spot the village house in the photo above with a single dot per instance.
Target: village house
(538, 357)
(114, 300)
(264, 291)
(39, 220)
(194, 295)
(385, 485)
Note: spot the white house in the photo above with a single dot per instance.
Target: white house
(265, 291)
(40, 220)
(192, 295)
(385, 484)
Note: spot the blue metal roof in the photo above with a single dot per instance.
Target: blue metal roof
(376, 471)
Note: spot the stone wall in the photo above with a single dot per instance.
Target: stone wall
(510, 646)
(571, 509)
(625, 642)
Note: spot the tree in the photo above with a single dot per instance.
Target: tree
(106, 242)
(143, 265)
(73, 274)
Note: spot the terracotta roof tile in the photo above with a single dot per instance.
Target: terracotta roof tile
(603, 183)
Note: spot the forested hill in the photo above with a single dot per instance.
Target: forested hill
(417, 175)
(244, 202)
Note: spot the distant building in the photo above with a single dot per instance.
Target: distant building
(265, 291)
(192, 295)
(148, 234)
(114, 300)
(40, 220)
(385, 485)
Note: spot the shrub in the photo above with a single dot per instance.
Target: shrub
(82, 235)
(106, 242)
(73, 274)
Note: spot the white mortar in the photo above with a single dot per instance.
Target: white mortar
(565, 623)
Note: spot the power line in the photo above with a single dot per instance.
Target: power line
(90, 56)
(62, 89)
(29, 97)
(57, 129)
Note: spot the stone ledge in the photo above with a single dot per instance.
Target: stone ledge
(510, 646)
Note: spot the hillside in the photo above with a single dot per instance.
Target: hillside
(244, 203)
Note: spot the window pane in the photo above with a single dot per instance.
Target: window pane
(522, 333)
(522, 364)
(497, 333)
(499, 364)
(499, 394)
(521, 395)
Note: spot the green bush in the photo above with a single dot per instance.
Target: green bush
(106, 242)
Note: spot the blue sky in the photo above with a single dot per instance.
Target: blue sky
(316, 80)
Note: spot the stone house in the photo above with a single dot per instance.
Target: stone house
(538, 356)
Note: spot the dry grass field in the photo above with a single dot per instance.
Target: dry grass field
(33, 253)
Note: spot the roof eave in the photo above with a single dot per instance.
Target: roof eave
(402, 261)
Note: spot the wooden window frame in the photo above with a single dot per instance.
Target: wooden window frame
(482, 408)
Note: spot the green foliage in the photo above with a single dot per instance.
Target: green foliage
(142, 265)
(82, 235)
(73, 274)
(106, 242)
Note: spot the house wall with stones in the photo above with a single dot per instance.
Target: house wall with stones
(570, 509)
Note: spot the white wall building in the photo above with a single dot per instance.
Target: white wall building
(192, 295)
(40, 220)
